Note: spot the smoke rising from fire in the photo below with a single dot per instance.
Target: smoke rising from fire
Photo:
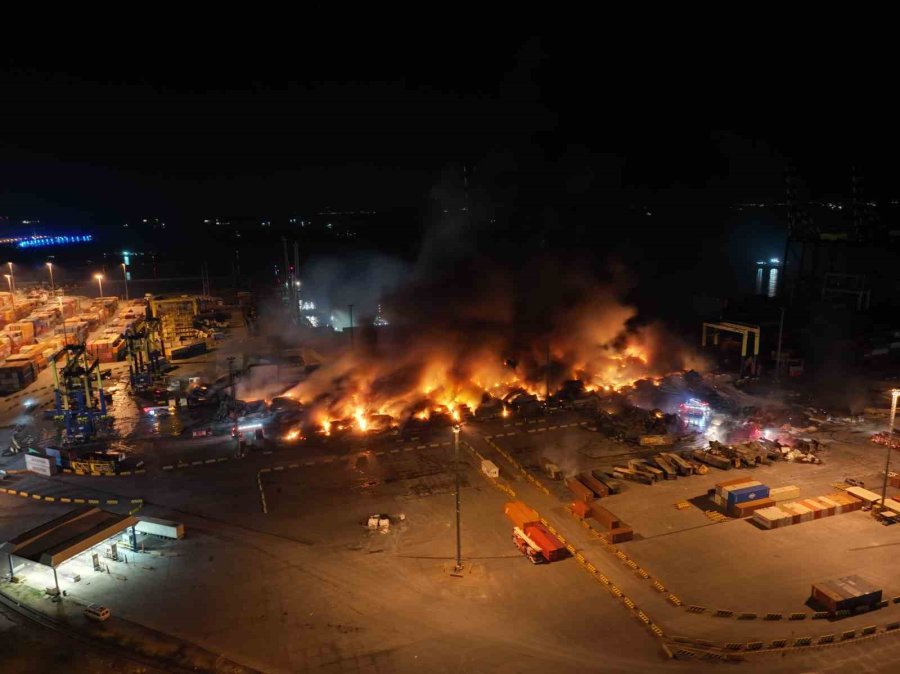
(475, 322)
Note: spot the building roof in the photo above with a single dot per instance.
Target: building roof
(60, 539)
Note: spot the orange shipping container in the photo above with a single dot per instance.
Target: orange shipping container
(520, 514)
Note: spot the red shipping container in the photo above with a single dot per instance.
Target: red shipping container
(581, 492)
(581, 509)
(551, 547)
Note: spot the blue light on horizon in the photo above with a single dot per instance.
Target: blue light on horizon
(40, 241)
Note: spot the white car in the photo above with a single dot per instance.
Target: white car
(97, 613)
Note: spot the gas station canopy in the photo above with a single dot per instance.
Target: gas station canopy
(60, 539)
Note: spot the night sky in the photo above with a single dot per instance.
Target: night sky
(577, 138)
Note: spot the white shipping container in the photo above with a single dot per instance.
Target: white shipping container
(158, 527)
(785, 493)
(490, 469)
(864, 494)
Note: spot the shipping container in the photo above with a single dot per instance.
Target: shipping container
(845, 594)
(520, 513)
(786, 493)
(749, 507)
(864, 495)
(16, 376)
(158, 527)
(592, 483)
(578, 488)
(613, 485)
(581, 510)
(745, 494)
(620, 534)
(551, 547)
(605, 517)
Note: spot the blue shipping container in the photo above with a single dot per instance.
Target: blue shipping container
(747, 494)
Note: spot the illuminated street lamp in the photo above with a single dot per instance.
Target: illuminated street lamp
(125, 276)
(9, 280)
(50, 268)
(895, 393)
(12, 281)
(456, 429)
(99, 278)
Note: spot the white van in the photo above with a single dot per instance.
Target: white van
(97, 613)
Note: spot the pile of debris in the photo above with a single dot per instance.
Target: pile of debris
(883, 438)
(629, 423)
(758, 452)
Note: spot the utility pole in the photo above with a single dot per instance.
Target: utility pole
(456, 429)
(895, 393)
(231, 378)
(297, 280)
(547, 394)
(352, 343)
(778, 352)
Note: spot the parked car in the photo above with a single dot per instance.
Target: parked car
(97, 613)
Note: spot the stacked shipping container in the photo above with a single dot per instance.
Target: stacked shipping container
(806, 510)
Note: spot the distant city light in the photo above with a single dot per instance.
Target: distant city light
(43, 240)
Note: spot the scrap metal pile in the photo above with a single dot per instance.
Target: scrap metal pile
(883, 438)
(758, 452)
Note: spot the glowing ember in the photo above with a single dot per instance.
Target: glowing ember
(293, 435)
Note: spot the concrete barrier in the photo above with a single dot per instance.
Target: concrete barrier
(778, 643)
(802, 641)
(892, 626)
(754, 645)
(773, 616)
(848, 634)
(797, 616)
(696, 609)
(723, 613)
(747, 616)
(825, 639)
(674, 600)
(819, 615)
(871, 629)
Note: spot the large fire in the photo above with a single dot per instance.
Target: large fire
(448, 376)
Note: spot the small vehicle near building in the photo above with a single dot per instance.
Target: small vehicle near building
(97, 613)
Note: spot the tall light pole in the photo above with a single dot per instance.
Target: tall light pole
(125, 276)
(351, 326)
(99, 278)
(895, 393)
(12, 281)
(50, 268)
(456, 429)
(12, 294)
